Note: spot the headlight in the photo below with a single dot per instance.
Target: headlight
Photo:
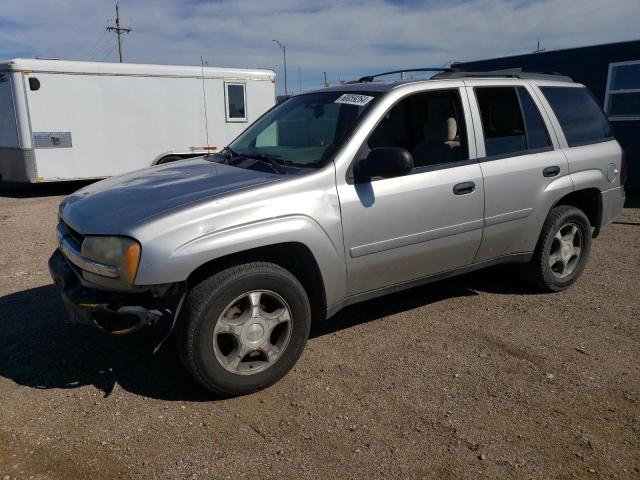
(122, 253)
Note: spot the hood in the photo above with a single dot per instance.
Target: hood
(113, 205)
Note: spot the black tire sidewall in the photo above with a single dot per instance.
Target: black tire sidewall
(570, 215)
(209, 368)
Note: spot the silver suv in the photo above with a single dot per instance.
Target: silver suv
(338, 196)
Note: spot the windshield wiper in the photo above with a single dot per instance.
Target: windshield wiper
(273, 162)
(228, 153)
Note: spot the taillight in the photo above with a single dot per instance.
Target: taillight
(623, 170)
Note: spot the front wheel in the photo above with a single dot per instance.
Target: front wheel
(562, 251)
(244, 328)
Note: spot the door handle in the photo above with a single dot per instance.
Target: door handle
(551, 171)
(464, 188)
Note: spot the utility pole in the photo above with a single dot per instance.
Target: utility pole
(119, 31)
(299, 79)
(538, 50)
(325, 79)
(284, 52)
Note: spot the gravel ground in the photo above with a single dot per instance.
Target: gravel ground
(474, 377)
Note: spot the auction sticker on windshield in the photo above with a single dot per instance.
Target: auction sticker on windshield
(354, 99)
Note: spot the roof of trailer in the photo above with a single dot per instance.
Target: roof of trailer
(134, 69)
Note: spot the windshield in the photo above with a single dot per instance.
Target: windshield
(305, 129)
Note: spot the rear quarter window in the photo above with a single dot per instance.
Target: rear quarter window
(582, 120)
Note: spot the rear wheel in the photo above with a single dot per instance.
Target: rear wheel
(244, 328)
(562, 251)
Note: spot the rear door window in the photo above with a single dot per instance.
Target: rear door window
(536, 131)
(582, 120)
(511, 122)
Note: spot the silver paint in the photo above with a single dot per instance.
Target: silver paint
(367, 238)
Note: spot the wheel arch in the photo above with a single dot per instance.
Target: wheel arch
(295, 257)
(589, 200)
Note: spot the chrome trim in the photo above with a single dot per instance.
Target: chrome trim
(79, 261)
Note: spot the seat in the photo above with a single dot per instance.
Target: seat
(441, 142)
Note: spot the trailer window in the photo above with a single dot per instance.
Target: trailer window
(236, 102)
(622, 100)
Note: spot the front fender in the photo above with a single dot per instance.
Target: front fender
(186, 258)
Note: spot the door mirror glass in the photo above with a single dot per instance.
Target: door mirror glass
(385, 162)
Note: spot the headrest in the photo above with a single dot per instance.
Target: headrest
(441, 124)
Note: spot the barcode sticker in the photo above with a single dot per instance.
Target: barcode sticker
(354, 99)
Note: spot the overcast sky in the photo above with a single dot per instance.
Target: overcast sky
(344, 38)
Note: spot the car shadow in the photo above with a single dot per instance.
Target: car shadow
(32, 190)
(41, 349)
(500, 279)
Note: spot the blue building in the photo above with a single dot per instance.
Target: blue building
(611, 71)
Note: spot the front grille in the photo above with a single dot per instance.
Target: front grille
(74, 237)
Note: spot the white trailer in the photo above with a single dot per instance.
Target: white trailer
(64, 120)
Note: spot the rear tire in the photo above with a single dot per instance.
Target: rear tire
(258, 308)
(562, 251)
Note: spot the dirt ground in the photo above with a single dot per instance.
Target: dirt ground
(474, 377)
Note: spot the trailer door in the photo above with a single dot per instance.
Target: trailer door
(16, 164)
(8, 124)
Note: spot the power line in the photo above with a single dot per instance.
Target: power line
(111, 50)
(119, 31)
(105, 46)
(100, 38)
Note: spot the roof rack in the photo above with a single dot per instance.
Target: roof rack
(369, 78)
(508, 73)
(453, 72)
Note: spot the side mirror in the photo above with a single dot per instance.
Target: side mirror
(385, 162)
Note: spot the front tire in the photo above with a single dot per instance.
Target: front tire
(562, 251)
(244, 328)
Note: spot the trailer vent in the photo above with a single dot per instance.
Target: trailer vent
(52, 140)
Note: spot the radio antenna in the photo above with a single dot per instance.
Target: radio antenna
(204, 101)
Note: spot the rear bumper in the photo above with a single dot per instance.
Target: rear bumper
(18, 165)
(113, 312)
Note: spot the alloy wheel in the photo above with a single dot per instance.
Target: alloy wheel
(565, 251)
(252, 332)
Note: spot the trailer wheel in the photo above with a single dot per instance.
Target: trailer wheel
(169, 159)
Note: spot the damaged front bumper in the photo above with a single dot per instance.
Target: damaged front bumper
(114, 312)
